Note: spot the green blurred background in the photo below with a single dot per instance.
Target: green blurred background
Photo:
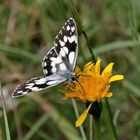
(27, 32)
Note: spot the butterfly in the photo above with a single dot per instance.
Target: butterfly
(58, 64)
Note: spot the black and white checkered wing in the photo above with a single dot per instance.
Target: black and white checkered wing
(37, 84)
(33, 85)
(62, 57)
(58, 64)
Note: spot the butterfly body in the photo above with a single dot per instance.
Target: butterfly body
(58, 64)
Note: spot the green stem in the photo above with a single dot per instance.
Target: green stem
(97, 129)
(91, 127)
(89, 46)
(111, 120)
(77, 116)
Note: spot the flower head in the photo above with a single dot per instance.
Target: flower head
(92, 86)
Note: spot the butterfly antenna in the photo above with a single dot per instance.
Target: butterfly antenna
(80, 85)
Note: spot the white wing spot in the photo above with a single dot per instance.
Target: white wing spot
(35, 89)
(19, 91)
(40, 81)
(72, 39)
(45, 58)
(71, 57)
(54, 45)
(62, 52)
(44, 64)
(30, 85)
(56, 37)
(68, 27)
(45, 71)
(73, 29)
(63, 66)
(60, 32)
(24, 92)
(52, 82)
(50, 52)
(56, 60)
(65, 39)
(54, 69)
(61, 43)
(53, 63)
(66, 50)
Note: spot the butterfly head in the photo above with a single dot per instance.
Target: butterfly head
(72, 76)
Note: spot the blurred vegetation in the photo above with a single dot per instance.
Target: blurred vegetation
(27, 32)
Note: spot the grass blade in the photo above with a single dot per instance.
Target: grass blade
(36, 127)
(8, 137)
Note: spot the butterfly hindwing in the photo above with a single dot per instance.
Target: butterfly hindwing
(37, 84)
(49, 62)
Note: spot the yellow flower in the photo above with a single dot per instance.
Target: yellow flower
(92, 86)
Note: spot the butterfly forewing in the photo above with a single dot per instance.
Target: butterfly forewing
(64, 51)
(58, 64)
(66, 42)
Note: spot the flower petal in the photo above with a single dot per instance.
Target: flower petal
(109, 94)
(88, 66)
(116, 78)
(97, 66)
(107, 72)
(81, 119)
(71, 95)
(89, 63)
(77, 70)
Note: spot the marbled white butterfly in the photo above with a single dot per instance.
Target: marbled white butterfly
(58, 64)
